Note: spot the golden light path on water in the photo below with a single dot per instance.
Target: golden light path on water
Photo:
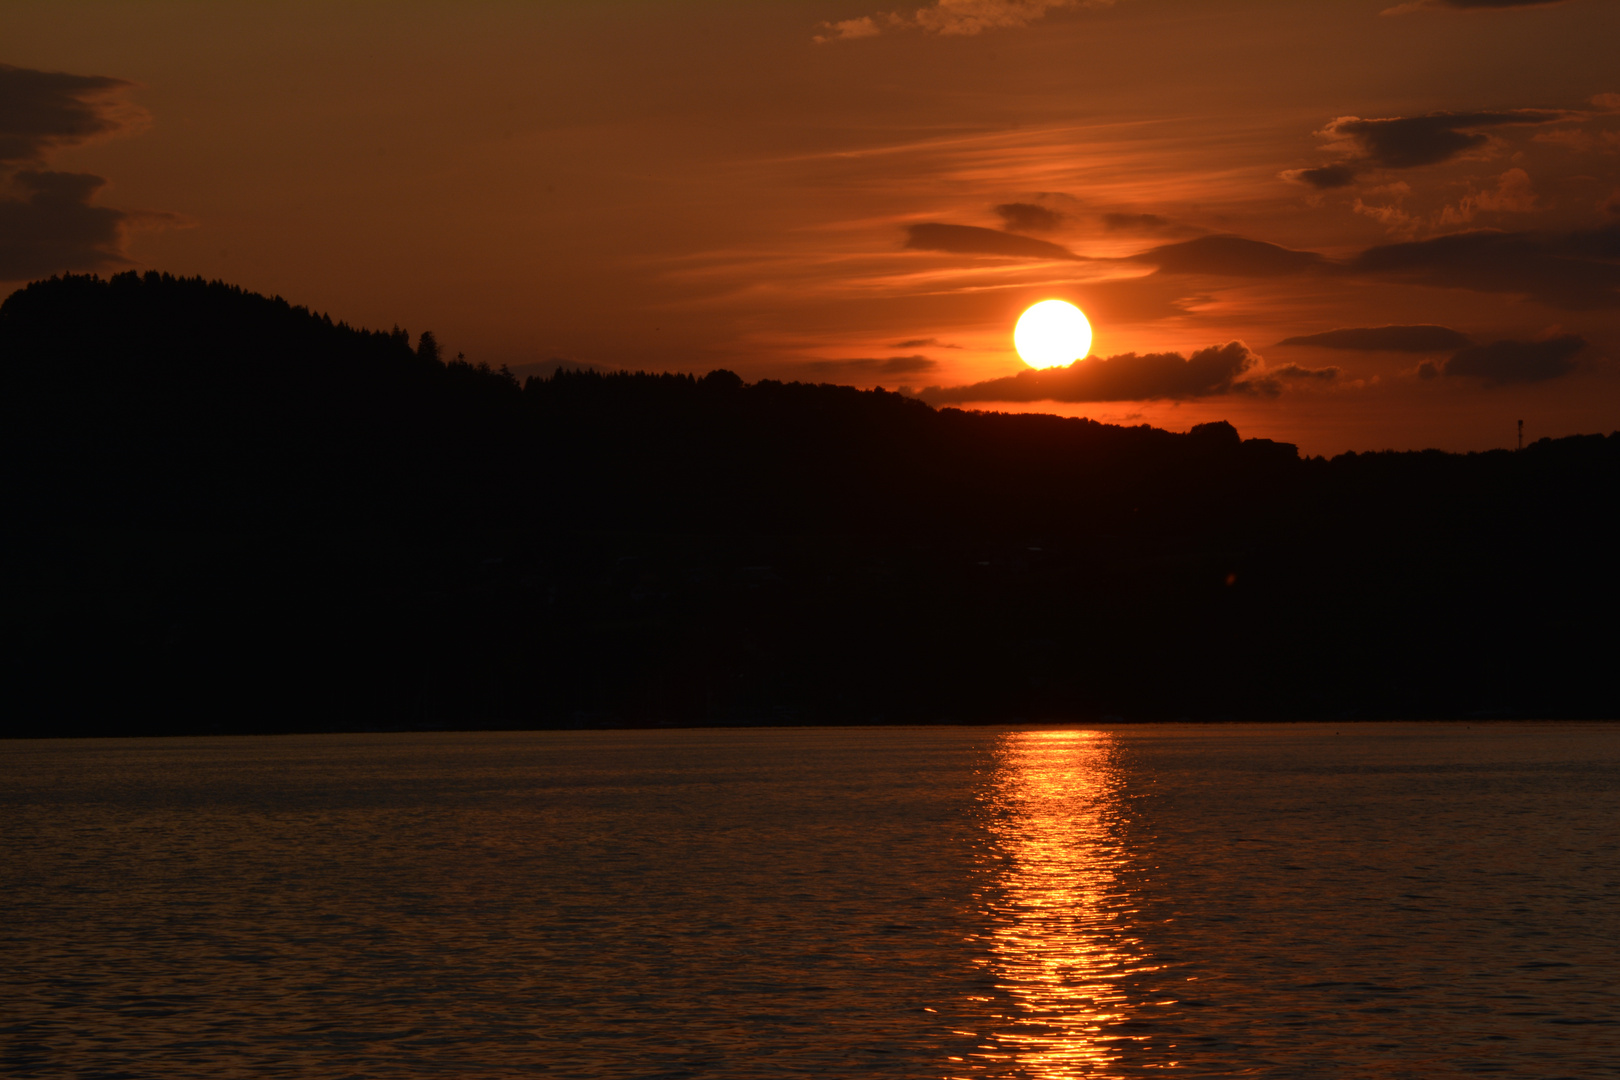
(1060, 938)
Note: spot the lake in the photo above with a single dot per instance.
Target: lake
(1390, 900)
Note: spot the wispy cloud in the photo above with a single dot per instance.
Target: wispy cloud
(974, 240)
(1028, 217)
(925, 343)
(950, 17)
(1425, 337)
(849, 30)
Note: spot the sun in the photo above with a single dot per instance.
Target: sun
(1052, 333)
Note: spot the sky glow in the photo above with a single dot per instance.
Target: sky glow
(825, 192)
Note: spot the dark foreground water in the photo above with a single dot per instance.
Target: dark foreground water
(1277, 901)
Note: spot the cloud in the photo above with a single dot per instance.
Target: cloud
(974, 240)
(1581, 142)
(1231, 256)
(924, 343)
(893, 365)
(1028, 217)
(47, 222)
(848, 30)
(1390, 215)
(1503, 362)
(1513, 194)
(1421, 338)
(1127, 377)
(974, 16)
(952, 18)
(1468, 5)
(1576, 270)
(1326, 177)
(1145, 223)
(1404, 142)
(1139, 299)
(43, 110)
(1120, 222)
(1295, 371)
(1408, 142)
(53, 228)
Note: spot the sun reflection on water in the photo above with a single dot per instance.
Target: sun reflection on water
(1060, 940)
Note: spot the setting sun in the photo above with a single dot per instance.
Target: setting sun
(1052, 333)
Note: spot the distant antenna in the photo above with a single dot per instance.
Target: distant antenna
(1521, 434)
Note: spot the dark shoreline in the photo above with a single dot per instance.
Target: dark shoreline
(1007, 725)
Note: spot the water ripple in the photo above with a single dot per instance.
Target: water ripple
(1397, 900)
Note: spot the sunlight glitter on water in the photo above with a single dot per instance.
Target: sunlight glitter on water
(1267, 901)
(1060, 936)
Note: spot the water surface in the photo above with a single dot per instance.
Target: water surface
(1278, 901)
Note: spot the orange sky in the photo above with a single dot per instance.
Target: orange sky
(700, 184)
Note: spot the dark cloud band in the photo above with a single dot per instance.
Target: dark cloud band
(1575, 271)
(1149, 223)
(53, 228)
(1403, 142)
(1230, 256)
(1307, 374)
(1127, 377)
(1407, 142)
(925, 343)
(1029, 217)
(893, 365)
(1421, 338)
(41, 110)
(49, 226)
(1503, 362)
(1492, 5)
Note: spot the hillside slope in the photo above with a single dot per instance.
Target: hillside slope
(229, 513)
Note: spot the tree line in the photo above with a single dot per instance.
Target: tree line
(229, 512)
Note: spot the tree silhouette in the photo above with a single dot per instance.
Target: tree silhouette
(223, 509)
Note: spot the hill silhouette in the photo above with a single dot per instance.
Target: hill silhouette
(229, 513)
